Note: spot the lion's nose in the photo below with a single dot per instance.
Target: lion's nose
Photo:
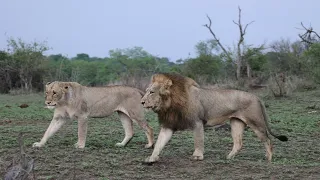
(142, 102)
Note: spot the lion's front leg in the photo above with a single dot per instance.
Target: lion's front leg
(54, 126)
(82, 132)
(163, 138)
(198, 141)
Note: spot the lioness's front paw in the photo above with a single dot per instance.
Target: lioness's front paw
(230, 157)
(151, 159)
(79, 146)
(37, 144)
(120, 145)
(197, 156)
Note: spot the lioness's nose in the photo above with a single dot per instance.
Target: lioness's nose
(48, 102)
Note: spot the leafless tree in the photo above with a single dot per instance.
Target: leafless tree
(309, 36)
(240, 44)
(242, 32)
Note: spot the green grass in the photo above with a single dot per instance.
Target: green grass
(299, 158)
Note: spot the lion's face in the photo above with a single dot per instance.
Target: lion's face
(157, 96)
(55, 94)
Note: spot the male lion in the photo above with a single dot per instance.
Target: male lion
(74, 101)
(182, 104)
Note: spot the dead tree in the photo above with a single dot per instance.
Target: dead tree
(242, 32)
(310, 36)
(240, 43)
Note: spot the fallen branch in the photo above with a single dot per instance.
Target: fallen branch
(22, 170)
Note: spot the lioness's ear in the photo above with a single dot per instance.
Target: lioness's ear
(67, 89)
(48, 83)
(65, 86)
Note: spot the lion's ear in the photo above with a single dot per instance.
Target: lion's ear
(164, 90)
(153, 79)
(167, 84)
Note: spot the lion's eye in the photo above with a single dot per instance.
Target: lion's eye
(151, 92)
(54, 92)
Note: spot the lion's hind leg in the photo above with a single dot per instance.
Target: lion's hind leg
(128, 129)
(263, 136)
(260, 129)
(237, 128)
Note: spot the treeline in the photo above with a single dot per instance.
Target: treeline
(23, 65)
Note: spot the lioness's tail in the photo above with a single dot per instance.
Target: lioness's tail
(266, 119)
(141, 92)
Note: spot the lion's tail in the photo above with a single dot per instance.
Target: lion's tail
(266, 119)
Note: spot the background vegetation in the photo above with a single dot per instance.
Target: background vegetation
(284, 65)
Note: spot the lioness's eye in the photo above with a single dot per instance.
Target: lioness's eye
(53, 92)
(151, 92)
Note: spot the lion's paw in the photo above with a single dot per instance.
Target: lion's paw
(151, 159)
(37, 144)
(147, 146)
(120, 145)
(78, 146)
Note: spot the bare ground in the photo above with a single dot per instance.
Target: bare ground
(299, 158)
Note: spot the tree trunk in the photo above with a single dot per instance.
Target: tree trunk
(26, 82)
(8, 79)
(238, 69)
(30, 83)
(239, 60)
(249, 75)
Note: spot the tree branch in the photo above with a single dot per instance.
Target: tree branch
(215, 37)
(245, 28)
(307, 36)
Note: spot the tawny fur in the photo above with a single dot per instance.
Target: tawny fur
(74, 101)
(182, 104)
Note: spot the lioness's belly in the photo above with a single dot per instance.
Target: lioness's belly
(99, 113)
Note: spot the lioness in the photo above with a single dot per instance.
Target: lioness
(182, 104)
(74, 101)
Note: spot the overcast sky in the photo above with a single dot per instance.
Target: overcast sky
(167, 28)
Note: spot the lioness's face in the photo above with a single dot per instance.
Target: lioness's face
(55, 92)
(154, 98)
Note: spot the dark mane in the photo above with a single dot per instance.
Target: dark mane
(176, 117)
